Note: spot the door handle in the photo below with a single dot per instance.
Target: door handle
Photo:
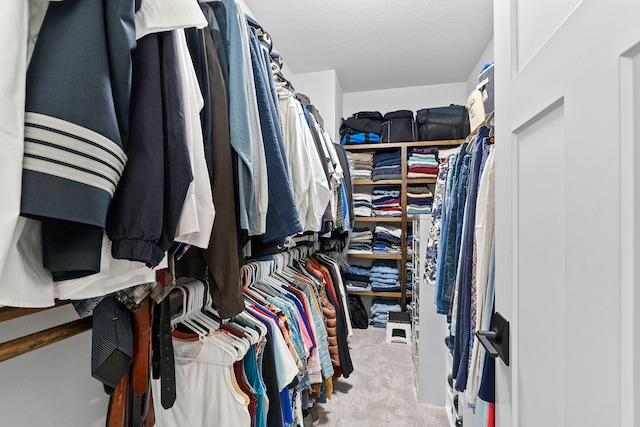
(496, 340)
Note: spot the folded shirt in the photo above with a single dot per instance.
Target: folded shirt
(353, 251)
(358, 270)
(357, 283)
(421, 175)
(424, 150)
(362, 156)
(424, 201)
(418, 195)
(362, 197)
(384, 177)
(418, 189)
(379, 288)
(378, 198)
(420, 169)
(390, 168)
(363, 212)
(381, 156)
(363, 165)
(391, 190)
(387, 214)
(366, 176)
(423, 164)
(394, 231)
(418, 211)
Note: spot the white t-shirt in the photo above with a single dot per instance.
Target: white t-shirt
(205, 395)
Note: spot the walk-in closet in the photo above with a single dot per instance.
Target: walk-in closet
(240, 213)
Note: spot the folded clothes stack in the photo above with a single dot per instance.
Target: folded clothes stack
(384, 277)
(356, 278)
(409, 267)
(419, 200)
(380, 311)
(362, 206)
(386, 201)
(387, 239)
(410, 241)
(361, 164)
(423, 162)
(387, 165)
(360, 242)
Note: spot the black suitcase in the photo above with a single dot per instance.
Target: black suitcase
(440, 123)
(398, 126)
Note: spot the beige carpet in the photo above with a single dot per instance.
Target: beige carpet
(381, 390)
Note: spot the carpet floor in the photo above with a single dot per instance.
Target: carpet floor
(381, 391)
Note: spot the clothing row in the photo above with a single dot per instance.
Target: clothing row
(168, 107)
(460, 260)
(267, 365)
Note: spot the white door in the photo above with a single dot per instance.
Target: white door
(568, 211)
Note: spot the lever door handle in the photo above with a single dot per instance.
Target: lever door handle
(496, 340)
(487, 339)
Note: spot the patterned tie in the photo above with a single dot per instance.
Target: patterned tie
(112, 341)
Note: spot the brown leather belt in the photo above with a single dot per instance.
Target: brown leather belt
(141, 347)
(117, 403)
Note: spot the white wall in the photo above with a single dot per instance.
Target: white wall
(51, 386)
(407, 98)
(325, 92)
(338, 111)
(485, 58)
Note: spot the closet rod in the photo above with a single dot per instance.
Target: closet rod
(9, 313)
(22, 345)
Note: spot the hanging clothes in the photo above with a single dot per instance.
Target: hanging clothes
(464, 275)
(310, 187)
(246, 136)
(484, 232)
(282, 217)
(77, 129)
(159, 174)
(221, 258)
(14, 31)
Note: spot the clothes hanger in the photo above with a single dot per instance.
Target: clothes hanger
(182, 313)
(251, 320)
(240, 345)
(195, 321)
(205, 312)
(241, 327)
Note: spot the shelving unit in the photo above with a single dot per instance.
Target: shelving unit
(404, 219)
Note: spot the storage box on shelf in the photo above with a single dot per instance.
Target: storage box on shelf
(404, 219)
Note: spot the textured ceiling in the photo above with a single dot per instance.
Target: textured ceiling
(379, 44)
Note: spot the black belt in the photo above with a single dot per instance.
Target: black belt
(162, 355)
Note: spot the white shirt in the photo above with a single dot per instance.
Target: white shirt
(155, 16)
(114, 275)
(198, 213)
(310, 187)
(205, 395)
